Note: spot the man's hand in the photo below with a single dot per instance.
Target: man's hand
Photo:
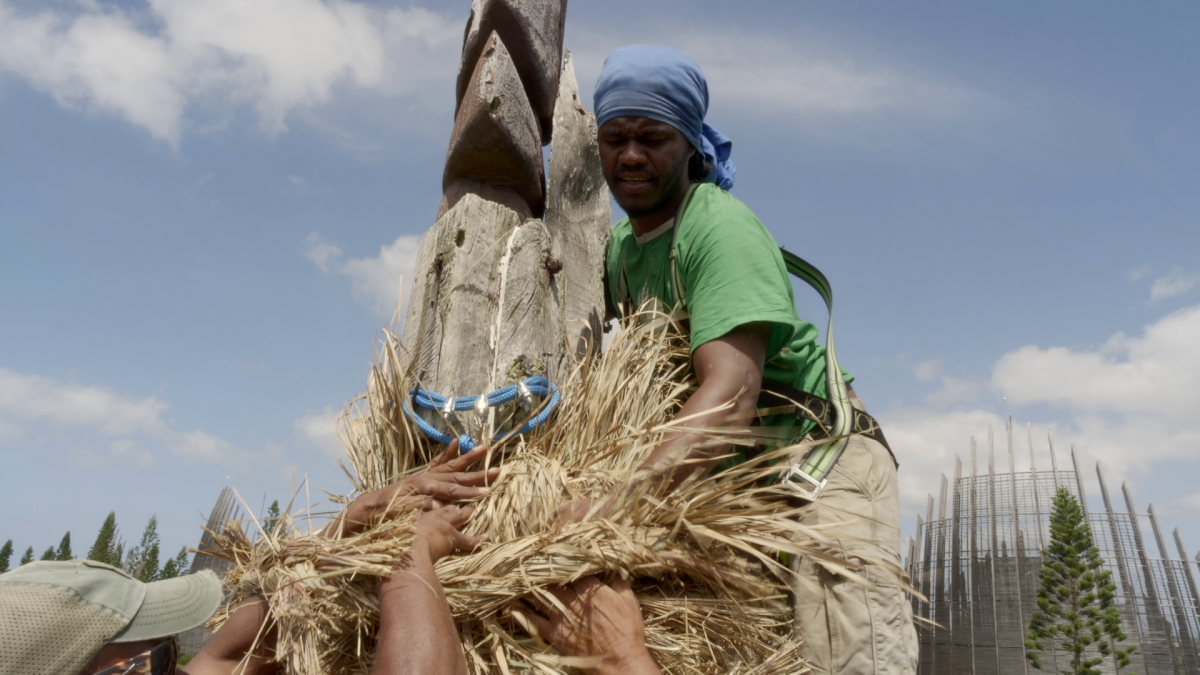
(438, 534)
(446, 480)
(605, 620)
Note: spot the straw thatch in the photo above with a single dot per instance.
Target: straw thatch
(704, 560)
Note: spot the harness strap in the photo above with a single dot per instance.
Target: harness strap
(804, 404)
(678, 293)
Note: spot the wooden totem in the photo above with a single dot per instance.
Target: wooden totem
(509, 281)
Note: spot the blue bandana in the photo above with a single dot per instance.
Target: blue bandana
(665, 85)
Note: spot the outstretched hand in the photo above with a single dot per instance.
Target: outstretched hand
(438, 534)
(604, 620)
(445, 480)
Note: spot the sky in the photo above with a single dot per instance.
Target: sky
(207, 208)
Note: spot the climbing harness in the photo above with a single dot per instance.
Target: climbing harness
(835, 417)
(449, 407)
(809, 477)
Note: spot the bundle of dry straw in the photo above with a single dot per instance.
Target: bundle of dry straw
(704, 559)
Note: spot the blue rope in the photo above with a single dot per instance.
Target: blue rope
(433, 401)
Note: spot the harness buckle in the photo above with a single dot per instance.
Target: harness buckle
(797, 479)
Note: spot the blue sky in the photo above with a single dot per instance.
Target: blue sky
(205, 209)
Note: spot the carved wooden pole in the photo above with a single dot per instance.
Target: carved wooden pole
(499, 293)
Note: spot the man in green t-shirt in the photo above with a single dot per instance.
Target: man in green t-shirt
(655, 150)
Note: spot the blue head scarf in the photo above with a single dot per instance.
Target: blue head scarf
(666, 85)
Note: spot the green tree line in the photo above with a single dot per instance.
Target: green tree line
(141, 561)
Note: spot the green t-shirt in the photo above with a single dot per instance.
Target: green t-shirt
(733, 274)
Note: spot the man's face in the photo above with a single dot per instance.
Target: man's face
(645, 163)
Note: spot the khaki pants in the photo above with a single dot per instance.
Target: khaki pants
(847, 628)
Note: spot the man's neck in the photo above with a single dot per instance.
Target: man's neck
(645, 224)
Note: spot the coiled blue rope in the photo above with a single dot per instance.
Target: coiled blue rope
(434, 401)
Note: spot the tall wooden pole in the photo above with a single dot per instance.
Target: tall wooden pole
(509, 281)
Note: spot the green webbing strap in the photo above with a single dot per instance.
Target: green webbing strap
(815, 468)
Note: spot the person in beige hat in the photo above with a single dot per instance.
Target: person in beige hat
(81, 616)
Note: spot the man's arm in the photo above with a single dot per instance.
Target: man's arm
(728, 369)
(230, 647)
(437, 535)
(416, 632)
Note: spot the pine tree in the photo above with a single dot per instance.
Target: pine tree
(28, 557)
(1075, 597)
(176, 566)
(48, 554)
(107, 548)
(64, 548)
(5, 556)
(142, 561)
(181, 561)
(272, 519)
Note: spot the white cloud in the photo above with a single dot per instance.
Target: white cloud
(1132, 399)
(30, 397)
(954, 391)
(320, 429)
(1155, 375)
(1183, 505)
(1177, 282)
(155, 65)
(925, 442)
(1136, 273)
(376, 281)
(1129, 403)
(29, 400)
(927, 370)
(803, 80)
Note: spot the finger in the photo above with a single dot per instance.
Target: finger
(447, 491)
(446, 455)
(471, 543)
(463, 461)
(472, 478)
(567, 596)
(403, 503)
(537, 626)
(457, 516)
(463, 543)
(623, 588)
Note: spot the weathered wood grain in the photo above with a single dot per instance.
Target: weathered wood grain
(495, 137)
(579, 220)
(533, 33)
(452, 306)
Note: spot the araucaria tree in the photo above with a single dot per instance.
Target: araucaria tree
(64, 548)
(271, 521)
(1075, 613)
(142, 561)
(107, 548)
(177, 566)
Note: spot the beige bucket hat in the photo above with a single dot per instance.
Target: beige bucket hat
(55, 616)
